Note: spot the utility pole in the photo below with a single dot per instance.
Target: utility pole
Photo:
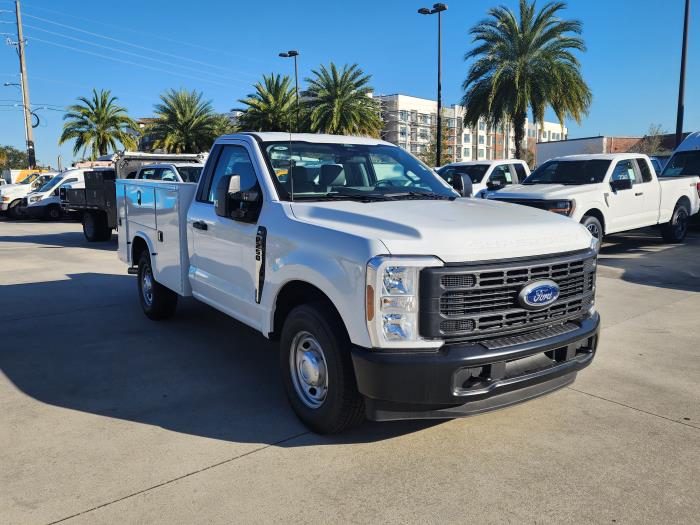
(681, 83)
(29, 131)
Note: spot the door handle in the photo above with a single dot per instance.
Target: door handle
(138, 197)
(199, 225)
(639, 193)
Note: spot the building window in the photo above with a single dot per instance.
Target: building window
(482, 126)
(481, 139)
(466, 152)
(450, 150)
(467, 137)
(403, 115)
(414, 148)
(403, 132)
(481, 153)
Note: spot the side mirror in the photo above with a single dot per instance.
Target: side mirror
(494, 185)
(55, 192)
(232, 203)
(621, 184)
(463, 184)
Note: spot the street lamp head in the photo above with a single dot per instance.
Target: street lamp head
(437, 8)
(293, 53)
(284, 55)
(424, 11)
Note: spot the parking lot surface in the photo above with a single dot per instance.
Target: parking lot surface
(107, 417)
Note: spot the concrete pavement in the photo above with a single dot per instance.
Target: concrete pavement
(108, 417)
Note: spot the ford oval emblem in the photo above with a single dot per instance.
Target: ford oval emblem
(538, 294)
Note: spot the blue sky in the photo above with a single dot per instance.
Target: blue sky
(222, 46)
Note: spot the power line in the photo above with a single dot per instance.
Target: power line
(150, 35)
(138, 55)
(124, 42)
(129, 62)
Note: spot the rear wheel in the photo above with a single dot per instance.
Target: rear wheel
(157, 301)
(317, 369)
(594, 226)
(676, 229)
(95, 227)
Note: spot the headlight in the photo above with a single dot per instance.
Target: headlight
(561, 207)
(595, 243)
(5, 199)
(35, 198)
(392, 301)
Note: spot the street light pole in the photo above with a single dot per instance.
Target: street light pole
(438, 8)
(294, 54)
(681, 84)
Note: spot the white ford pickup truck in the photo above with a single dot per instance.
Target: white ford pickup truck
(610, 193)
(391, 298)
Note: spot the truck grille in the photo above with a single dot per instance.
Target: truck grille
(473, 302)
(533, 203)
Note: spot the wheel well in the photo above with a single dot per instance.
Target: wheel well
(293, 294)
(593, 212)
(684, 200)
(138, 246)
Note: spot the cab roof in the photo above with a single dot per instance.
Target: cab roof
(320, 138)
(600, 156)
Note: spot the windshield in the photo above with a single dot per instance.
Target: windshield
(351, 171)
(189, 173)
(570, 172)
(475, 172)
(682, 164)
(51, 183)
(29, 178)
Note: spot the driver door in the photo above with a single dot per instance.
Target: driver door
(222, 250)
(624, 207)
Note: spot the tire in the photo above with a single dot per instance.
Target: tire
(95, 227)
(317, 370)
(157, 301)
(676, 229)
(594, 226)
(13, 210)
(53, 212)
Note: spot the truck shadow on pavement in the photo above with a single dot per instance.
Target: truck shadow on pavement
(642, 257)
(84, 344)
(61, 240)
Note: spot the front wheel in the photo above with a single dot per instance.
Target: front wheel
(317, 370)
(594, 226)
(14, 210)
(676, 229)
(53, 212)
(157, 301)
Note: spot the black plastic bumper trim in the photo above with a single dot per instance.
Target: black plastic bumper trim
(409, 382)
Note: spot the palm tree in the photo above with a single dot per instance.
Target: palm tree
(339, 102)
(271, 107)
(99, 124)
(222, 125)
(183, 122)
(523, 63)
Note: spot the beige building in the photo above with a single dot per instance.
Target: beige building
(409, 122)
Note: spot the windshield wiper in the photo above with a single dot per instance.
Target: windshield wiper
(412, 194)
(360, 197)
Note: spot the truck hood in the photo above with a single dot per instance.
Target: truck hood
(542, 191)
(462, 230)
(8, 189)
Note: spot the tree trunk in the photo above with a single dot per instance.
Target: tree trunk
(519, 133)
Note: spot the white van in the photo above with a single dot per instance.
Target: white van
(45, 202)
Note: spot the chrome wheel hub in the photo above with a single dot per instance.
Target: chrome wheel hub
(147, 286)
(307, 365)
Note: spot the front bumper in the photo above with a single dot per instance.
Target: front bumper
(470, 378)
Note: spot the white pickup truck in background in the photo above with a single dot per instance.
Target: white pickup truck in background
(485, 175)
(391, 298)
(12, 195)
(45, 203)
(610, 193)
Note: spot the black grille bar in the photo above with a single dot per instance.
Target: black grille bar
(473, 302)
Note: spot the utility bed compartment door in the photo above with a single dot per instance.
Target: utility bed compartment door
(141, 205)
(172, 254)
